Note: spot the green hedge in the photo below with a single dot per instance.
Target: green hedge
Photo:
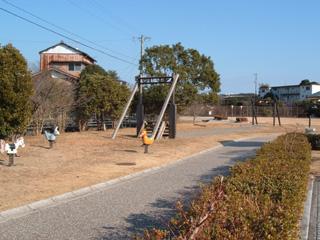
(261, 199)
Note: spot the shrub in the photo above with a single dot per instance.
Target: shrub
(314, 140)
(261, 199)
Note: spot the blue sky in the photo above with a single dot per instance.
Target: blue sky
(279, 40)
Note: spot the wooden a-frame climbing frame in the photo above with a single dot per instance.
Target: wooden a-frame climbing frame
(149, 80)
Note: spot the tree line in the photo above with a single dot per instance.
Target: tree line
(25, 99)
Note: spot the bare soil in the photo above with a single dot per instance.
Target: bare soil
(82, 159)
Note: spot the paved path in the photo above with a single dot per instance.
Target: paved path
(129, 206)
(314, 224)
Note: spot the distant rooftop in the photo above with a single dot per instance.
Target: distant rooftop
(68, 46)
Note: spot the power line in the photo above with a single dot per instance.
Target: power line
(64, 36)
(93, 14)
(67, 37)
(61, 28)
(117, 19)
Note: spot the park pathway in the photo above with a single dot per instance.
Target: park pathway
(130, 205)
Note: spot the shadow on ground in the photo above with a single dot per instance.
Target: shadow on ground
(126, 164)
(231, 143)
(40, 146)
(126, 150)
(165, 209)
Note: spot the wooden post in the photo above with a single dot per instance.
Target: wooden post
(309, 120)
(278, 115)
(140, 107)
(254, 114)
(135, 88)
(172, 120)
(164, 107)
(273, 113)
(252, 111)
(146, 148)
(11, 160)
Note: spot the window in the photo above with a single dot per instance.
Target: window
(307, 88)
(75, 67)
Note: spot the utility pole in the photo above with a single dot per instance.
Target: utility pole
(254, 102)
(255, 83)
(142, 40)
(140, 107)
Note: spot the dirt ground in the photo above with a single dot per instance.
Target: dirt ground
(82, 159)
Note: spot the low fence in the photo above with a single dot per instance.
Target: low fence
(71, 126)
(246, 111)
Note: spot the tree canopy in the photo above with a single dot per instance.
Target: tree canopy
(196, 70)
(16, 88)
(99, 92)
(307, 82)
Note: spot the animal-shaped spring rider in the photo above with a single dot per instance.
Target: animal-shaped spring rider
(51, 135)
(146, 140)
(11, 149)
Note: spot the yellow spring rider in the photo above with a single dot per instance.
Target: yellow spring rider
(146, 140)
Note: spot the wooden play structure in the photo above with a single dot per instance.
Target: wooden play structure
(312, 110)
(159, 126)
(271, 101)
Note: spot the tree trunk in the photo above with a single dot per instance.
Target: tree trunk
(194, 118)
(79, 125)
(102, 122)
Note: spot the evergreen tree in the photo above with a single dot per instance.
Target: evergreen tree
(16, 89)
(196, 71)
(99, 92)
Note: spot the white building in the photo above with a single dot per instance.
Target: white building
(293, 93)
(263, 90)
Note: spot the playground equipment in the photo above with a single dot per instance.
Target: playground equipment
(312, 110)
(52, 135)
(11, 148)
(270, 100)
(140, 81)
(146, 141)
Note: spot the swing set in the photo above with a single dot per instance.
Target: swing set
(169, 103)
(272, 101)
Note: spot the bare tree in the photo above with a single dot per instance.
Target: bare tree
(53, 99)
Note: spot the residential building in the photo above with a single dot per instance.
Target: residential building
(65, 59)
(54, 73)
(292, 93)
(263, 90)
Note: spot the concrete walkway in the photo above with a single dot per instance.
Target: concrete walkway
(311, 219)
(119, 210)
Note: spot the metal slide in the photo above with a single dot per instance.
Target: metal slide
(135, 88)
